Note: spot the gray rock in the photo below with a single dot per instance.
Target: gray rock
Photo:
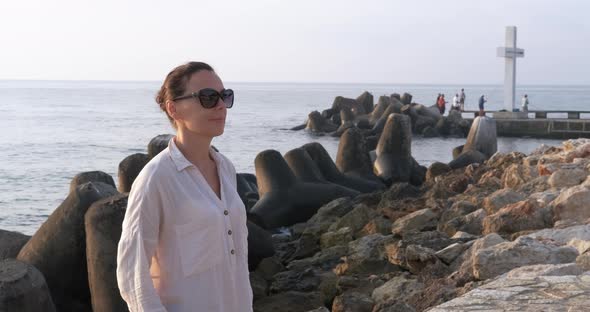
(416, 221)
(356, 219)
(367, 255)
(521, 216)
(451, 252)
(501, 198)
(352, 301)
(340, 237)
(501, 258)
(398, 288)
(567, 177)
(290, 301)
(530, 292)
(471, 223)
(572, 203)
(577, 236)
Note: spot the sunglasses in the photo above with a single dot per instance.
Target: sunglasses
(209, 97)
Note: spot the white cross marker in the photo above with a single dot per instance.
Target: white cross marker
(510, 53)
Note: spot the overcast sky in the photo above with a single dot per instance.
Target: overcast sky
(369, 41)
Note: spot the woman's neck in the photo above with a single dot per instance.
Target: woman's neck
(194, 147)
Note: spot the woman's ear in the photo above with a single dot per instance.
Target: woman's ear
(171, 109)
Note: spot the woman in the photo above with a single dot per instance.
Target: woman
(184, 241)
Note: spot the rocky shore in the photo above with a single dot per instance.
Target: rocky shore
(372, 230)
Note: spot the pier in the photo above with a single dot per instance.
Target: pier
(550, 124)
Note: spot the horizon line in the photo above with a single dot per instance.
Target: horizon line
(304, 82)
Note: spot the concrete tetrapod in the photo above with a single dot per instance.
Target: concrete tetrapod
(365, 100)
(394, 150)
(283, 199)
(353, 155)
(129, 168)
(103, 223)
(482, 143)
(58, 248)
(91, 176)
(331, 173)
(482, 136)
(23, 288)
(317, 123)
(382, 104)
(158, 144)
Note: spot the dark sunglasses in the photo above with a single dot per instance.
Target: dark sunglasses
(209, 97)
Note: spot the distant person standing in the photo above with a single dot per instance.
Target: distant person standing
(441, 104)
(462, 99)
(482, 100)
(456, 105)
(525, 103)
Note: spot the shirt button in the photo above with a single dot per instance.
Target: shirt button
(229, 232)
(232, 252)
(225, 212)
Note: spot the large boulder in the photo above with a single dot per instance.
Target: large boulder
(572, 203)
(501, 198)
(577, 236)
(501, 258)
(420, 220)
(399, 288)
(521, 216)
(567, 177)
(366, 255)
(559, 287)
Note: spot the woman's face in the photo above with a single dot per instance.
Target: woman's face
(192, 116)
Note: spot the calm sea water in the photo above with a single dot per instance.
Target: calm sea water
(52, 130)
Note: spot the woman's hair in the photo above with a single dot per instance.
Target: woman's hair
(175, 83)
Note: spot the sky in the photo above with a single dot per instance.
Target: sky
(331, 41)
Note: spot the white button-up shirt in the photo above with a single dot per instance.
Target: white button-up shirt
(182, 248)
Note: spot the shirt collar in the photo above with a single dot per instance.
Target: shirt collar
(180, 161)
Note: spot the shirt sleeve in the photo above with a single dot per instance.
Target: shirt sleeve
(137, 246)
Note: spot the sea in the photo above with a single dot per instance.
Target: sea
(53, 130)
